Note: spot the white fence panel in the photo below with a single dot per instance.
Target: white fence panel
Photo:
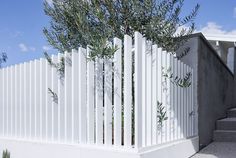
(112, 101)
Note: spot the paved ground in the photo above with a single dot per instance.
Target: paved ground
(218, 150)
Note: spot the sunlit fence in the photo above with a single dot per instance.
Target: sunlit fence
(142, 97)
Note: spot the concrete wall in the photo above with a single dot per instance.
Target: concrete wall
(213, 85)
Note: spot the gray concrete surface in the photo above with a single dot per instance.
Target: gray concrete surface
(218, 150)
(213, 84)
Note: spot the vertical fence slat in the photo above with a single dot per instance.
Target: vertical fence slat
(164, 92)
(108, 101)
(171, 117)
(181, 102)
(8, 100)
(1, 101)
(1, 104)
(127, 90)
(99, 101)
(90, 99)
(188, 104)
(37, 98)
(138, 89)
(117, 92)
(194, 107)
(144, 94)
(154, 94)
(55, 105)
(185, 104)
(75, 99)
(15, 100)
(149, 93)
(43, 93)
(61, 105)
(4, 101)
(18, 101)
(32, 99)
(175, 101)
(159, 88)
(168, 101)
(24, 106)
(68, 97)
(82, 96)
(23, 90)
(49, 105)
(22, 101)
(27, 100)
(11, 101)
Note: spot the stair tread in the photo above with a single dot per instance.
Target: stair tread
(228, 119)
(229, 131)
(233, 109)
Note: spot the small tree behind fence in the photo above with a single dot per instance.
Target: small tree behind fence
(140, 97)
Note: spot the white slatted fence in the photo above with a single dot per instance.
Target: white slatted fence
(112, 102)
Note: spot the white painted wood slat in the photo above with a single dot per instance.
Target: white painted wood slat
(82, 96)
(138, 89)
(68, 97)
(118, 92)
(99, 100)
(127, 90)
(108, 101)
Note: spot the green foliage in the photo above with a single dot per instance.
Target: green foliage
(161, 114)
(5, 154)
(80, 23)
(184, 82)
(3, 58)
(54, 95)
(60, 66)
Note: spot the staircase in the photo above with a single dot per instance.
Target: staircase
(226, 128)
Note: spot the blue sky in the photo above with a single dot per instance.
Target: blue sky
(22, 22)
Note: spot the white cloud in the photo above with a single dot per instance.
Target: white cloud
(24, 48)
(214, 29)
(46, 48)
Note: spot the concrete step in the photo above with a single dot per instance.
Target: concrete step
(224, 136)
(226, 124)
(231, 112)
